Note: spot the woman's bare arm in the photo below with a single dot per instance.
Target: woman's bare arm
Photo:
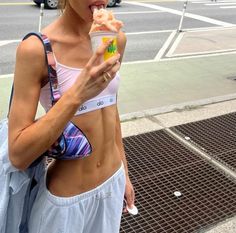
(121, 43)
(129, 190)
(28, 138)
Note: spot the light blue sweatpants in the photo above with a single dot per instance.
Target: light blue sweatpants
(96, 211)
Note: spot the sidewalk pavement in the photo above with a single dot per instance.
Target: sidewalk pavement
(152, 88)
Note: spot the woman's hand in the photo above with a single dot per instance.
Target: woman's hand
(96, 75)
(129, 194)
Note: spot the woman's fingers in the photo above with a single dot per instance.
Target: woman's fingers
(111, 63)
(113, 69)
(99, 53)
(102, 71)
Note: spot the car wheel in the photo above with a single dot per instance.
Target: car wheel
(51, 4)
(111, 3)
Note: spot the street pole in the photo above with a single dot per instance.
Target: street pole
(41, 16)
(182, 17)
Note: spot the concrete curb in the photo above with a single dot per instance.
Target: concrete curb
(176, 107)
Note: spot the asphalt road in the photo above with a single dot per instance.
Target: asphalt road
(147, 26)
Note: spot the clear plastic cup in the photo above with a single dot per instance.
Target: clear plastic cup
(97, 38)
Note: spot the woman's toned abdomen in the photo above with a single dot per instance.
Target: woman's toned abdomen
(72, 177)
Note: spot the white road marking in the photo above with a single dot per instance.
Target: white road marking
(138, 62)
(209, 1)
(165, 46)
(198, 56)
(202, 53)
(225, 1)
(220, 4)
(209, 28)
(6, 76)
(5, 42)
(176, 12)
(197, 2)
(16, 3)
(228, 7)
(136, 12)
(147, 32)
(175, 44)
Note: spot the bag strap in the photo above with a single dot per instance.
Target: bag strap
(51, 66)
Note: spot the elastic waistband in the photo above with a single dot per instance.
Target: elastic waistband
(98, 103)
(65, 201)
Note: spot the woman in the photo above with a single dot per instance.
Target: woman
(85, 194)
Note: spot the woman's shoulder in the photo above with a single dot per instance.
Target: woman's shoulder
(31, 48)
(30, 60)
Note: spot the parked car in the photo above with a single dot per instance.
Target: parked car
(112, 3)
(49, 4)
(52, 4)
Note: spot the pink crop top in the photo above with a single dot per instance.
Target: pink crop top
(66, 77)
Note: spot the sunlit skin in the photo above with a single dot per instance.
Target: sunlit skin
(72, 47)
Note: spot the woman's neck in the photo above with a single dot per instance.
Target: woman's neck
(74, 24)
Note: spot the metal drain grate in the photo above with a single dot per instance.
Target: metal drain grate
(216, 136)
(228, 158)
(158, 167)
(157, 152)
